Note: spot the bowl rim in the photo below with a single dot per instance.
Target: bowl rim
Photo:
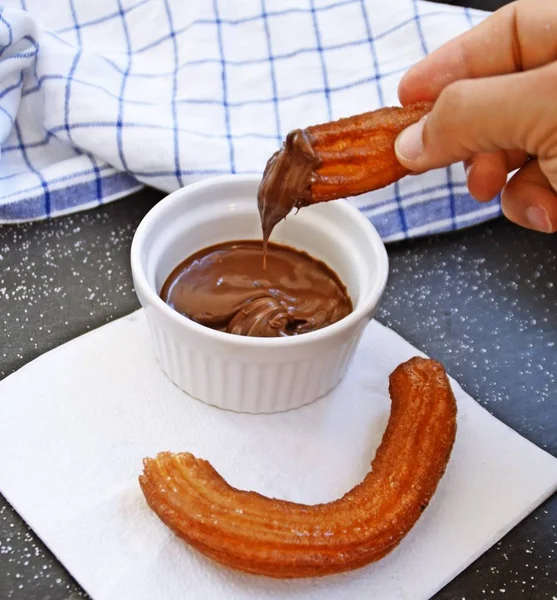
(238, 341)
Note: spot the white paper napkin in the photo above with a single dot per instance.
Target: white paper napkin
(76, 423)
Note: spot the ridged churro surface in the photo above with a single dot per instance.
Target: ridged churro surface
(356, 155)
(334, 160)
(250, 532)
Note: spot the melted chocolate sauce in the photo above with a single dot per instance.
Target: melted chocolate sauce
(287, 180)
(227, 288)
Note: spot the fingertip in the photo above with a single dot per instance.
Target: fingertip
(405, 89)
(486, 175)
(538, 218)
(414, 87)
(529, 200)
(530, 213)
(424, 81)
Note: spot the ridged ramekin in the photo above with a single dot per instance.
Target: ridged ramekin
(247, 374)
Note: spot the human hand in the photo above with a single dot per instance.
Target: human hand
(495, 93)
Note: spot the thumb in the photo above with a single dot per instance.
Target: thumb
(472, 116)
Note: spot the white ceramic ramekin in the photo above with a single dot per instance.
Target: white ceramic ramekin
(247, 374)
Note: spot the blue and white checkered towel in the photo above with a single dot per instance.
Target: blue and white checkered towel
(100, 97)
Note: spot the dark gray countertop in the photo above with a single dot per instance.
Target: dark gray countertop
(483, 301)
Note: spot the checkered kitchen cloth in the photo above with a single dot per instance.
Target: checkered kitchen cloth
(99, 97)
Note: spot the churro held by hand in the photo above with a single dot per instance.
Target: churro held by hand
(334, 160)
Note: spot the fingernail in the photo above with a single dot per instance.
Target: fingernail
(539, 219)
(409, 144)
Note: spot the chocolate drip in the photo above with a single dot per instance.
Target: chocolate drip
(287, 180)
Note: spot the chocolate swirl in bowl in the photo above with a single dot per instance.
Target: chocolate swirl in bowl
(226, 287)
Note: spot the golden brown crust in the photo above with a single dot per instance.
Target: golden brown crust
(357, 154)
(256, 534)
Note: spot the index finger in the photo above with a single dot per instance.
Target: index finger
(519, 36)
